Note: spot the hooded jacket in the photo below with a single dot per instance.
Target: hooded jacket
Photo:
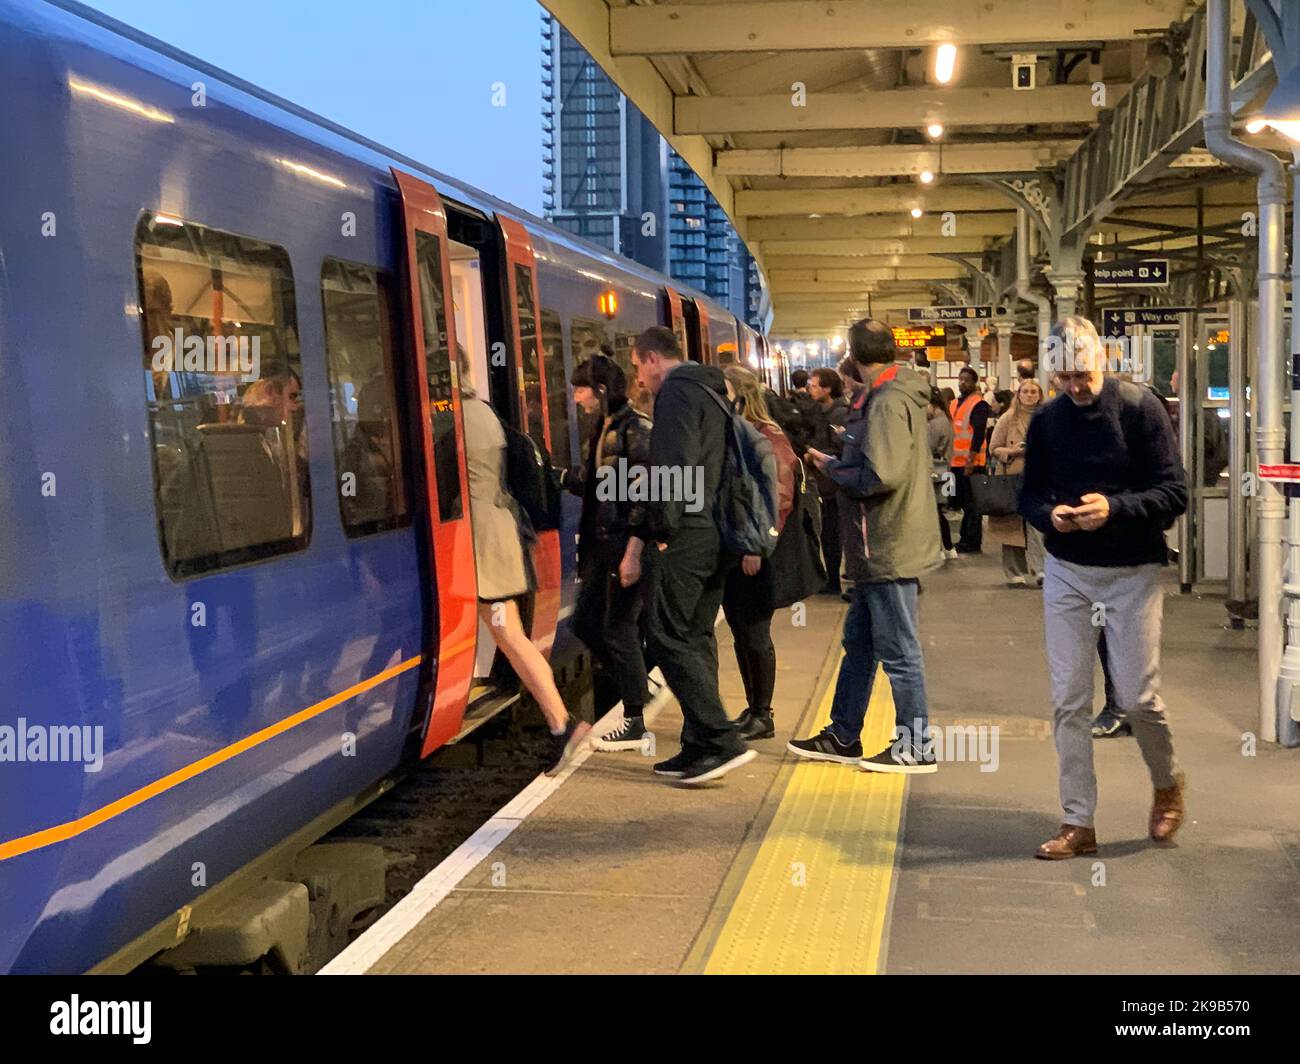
(887, 520)
(687, 446)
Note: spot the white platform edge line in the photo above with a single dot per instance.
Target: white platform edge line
(429, 892)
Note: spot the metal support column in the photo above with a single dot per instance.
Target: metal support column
(1187, 531)
(1237, 441)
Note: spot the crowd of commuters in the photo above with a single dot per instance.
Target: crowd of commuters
(880, 455)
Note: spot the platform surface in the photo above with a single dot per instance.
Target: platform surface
(803, 867)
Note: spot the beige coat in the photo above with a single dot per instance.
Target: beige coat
(498, 537)
(1009, 431)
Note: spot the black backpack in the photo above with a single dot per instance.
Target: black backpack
(531, 481)
(747, 504)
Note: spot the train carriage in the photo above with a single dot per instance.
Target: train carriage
(236, 553)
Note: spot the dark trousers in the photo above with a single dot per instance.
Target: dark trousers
(1112, 703)
(751, 629)
(607, 617)
(972, 521)
(688, 587)
(945, 529)
(832, 553)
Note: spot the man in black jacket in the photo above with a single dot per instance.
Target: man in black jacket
(1103, 482)
(688, 444)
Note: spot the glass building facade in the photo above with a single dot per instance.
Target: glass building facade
(611, 178)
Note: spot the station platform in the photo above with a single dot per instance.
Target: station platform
(801, 867)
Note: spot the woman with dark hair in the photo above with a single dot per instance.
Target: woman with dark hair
(940, 432)
(748, 595)
(611, 595)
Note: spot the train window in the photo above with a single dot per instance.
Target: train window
(557, 385)
(223, 386)
(441, 381)
(532, 411)
(638, 396)
(360, 343)
(585, 338)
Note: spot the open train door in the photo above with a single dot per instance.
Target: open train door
(533, 413)
(452, 594)
(696, 324)
(676, 320)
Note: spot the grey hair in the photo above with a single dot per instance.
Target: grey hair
(1074, 346)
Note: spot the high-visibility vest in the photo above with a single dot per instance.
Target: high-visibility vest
(963, 433)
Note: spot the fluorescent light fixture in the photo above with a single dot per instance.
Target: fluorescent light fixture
(945, 60)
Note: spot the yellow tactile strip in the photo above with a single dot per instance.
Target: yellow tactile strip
(816, 895)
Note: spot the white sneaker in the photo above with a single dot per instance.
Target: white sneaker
(950, 553)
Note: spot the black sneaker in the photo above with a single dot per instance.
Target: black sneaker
(1110, 723)
(901, 758)
(751, 726)
(628, 734)
(714, 766)
(824, 746)
(676, 765)
(566, 744)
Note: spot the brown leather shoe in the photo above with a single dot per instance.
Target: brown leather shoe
(1071, 841)
(1167, 809)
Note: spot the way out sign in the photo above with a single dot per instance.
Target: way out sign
(1137, 273)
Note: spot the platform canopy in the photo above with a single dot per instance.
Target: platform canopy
(809, 121)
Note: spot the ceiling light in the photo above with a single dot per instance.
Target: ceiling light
(934, 130)
(927, 177)
(917, 212)
(945, 59)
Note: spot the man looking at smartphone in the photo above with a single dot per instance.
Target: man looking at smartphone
(1103, 481)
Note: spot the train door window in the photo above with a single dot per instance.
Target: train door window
(471, 321)
(223, 386)
(528, 348)
(441, 375)
(557, 386)
(359, 346)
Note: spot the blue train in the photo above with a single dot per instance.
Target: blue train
(237, 588)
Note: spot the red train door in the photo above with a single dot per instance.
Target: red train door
(702, 327)
(677, 320)
(452, 597)
(530, 373)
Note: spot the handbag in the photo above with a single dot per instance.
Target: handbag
(796, 563)
(997, 495)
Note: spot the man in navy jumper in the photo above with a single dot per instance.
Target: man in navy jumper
(1103, 481)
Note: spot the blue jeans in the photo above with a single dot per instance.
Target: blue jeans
(881, 628)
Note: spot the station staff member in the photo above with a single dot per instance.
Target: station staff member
(970, 419)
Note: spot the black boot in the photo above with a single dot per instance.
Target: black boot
(755, 724)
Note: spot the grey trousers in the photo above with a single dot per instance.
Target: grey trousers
(1026, 561)
(1077, 601)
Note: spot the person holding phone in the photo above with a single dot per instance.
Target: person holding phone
(1103, 481)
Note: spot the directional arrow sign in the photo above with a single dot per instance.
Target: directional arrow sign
(1114, 322)
(949, 313)
(1137, 273)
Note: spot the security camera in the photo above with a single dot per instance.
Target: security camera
(1024, 71)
